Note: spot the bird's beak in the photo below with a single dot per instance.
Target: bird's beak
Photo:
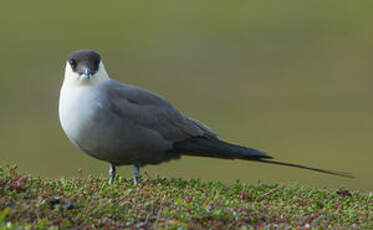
(87, 72)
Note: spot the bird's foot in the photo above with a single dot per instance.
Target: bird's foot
(112, 172)
(136, 174)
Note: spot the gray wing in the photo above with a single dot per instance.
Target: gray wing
(151, 111)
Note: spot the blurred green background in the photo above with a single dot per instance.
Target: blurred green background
(293, 78)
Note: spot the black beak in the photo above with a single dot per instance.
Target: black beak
(87, 71)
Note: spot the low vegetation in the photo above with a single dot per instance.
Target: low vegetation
(28, 202)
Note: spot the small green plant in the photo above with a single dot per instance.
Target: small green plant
(28, 202)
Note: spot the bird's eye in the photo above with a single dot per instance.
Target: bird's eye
(72, 63)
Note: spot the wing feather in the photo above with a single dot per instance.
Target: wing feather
(151, 111)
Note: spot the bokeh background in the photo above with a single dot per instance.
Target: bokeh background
(293, 78)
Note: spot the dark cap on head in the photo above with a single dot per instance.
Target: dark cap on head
(84, 61)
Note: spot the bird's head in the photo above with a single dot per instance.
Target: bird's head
(85, 67)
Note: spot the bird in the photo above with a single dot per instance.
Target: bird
(124, 124)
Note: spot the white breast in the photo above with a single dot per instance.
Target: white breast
(75, 110)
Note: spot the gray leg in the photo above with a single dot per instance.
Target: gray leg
(136, 174)
(112, 173)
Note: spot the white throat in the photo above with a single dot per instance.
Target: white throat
(73, 78)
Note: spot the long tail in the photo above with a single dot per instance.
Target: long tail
(332, 172)
(211, 147)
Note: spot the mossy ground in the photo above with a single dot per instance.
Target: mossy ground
(168, 203)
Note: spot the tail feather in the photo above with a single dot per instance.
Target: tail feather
(332, 172)
(211, 147)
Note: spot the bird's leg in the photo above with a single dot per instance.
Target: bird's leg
(136, 174)
(111, 173)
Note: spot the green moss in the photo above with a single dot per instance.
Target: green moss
(169, 203)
